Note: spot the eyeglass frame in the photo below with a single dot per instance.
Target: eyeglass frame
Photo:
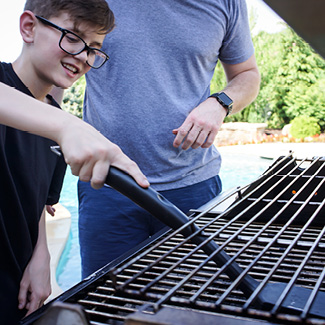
(64, 32)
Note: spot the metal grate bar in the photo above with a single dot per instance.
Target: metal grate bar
(313, 295)
(126, 265)
(271, 243)
(235, 283)
(285, 201)
(201, 265)
(300, 268)
(280, 260)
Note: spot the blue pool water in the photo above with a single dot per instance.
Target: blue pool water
(237, 170)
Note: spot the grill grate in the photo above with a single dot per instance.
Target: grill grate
(274, 229)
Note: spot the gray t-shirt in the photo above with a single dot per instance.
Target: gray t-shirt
(162, 57)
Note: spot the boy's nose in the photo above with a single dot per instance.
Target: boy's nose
(83, 56)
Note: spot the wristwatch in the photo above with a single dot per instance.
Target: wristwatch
(224, 100)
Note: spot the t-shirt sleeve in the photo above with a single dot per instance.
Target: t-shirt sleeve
(237, 46)
(59, 172)
(57, 182)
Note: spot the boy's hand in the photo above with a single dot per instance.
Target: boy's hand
(35, 285)
(90, 155)
(50, 210)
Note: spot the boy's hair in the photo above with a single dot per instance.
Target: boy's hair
(94, 12)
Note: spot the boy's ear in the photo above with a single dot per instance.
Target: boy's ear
(27, 26)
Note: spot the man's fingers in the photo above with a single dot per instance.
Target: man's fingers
(201, 139)
(181, 134)
(192, 136)
(210, 140)
(197, 136)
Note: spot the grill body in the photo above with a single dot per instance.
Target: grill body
(273, 229)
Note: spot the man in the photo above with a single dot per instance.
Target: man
(152, 99)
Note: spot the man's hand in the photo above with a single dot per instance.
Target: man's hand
(201, 126)
(203, 123)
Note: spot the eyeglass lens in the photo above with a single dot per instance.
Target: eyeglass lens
(73, 44)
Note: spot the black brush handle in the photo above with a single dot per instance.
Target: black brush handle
(169, 214)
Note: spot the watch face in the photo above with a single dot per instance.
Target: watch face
(225, 99)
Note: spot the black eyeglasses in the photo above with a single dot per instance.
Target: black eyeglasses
(73, 44)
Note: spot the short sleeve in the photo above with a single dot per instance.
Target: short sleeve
(237, 46)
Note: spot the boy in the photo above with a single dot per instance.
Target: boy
(62, 41)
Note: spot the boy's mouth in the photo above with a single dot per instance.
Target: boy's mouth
(71, 68)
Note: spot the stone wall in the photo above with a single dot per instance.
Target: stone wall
(240, 133)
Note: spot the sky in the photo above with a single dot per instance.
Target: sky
(11, 42)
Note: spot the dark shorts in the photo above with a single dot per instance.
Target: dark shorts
(110, 224)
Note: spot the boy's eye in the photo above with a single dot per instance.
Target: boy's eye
(91, 52)
(72, 38)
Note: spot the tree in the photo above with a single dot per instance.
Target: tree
(297, 84)
(292, 81)
(74, 96)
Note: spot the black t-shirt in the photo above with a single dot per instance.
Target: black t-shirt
(31, 175)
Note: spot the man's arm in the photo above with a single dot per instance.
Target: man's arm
(203, 123)
(88, 153)
(243, 83)
(35, 285)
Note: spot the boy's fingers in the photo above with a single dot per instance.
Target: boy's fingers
(131, 168)
(86, 171)
(140, 178)
(22, 298)
(99, 174)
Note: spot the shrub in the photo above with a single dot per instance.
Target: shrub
(304, 126)
(74, 96)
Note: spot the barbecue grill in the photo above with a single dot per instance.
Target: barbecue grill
(253, 255)
(273, 229)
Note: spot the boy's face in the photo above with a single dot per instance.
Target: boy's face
(53, 65)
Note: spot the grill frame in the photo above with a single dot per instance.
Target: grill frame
(235, 242)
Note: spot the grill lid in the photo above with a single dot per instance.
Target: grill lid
(306, 18)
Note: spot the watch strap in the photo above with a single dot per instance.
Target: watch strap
(224, 100)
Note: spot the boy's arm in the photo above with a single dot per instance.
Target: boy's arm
(88, 153)
(35, 285)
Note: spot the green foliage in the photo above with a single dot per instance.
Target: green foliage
(297, 84)
(73, 98)
(304, 126)
(292, 81)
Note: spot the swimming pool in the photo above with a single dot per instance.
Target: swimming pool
(237, 170)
